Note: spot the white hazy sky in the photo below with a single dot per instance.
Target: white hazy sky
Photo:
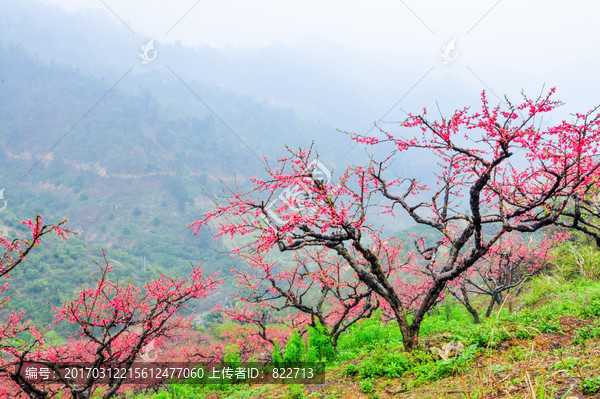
(497, 27)
(505, 43)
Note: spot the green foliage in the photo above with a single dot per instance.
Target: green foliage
(517, 354)
(486, 334)
(391, 363)
(592, 309)
(577, 260)
(544, 319)
(549, 325)
(447, 367)
(364, 336)
(452, 317)
(541, 287)
(524, 332)
(366, 386)
(191, 391)
(319, 344)
(568, 363)
(448, 306)
(276, 355)
(351, 369)
(583, 260)
(295, 351)
(231, 354)
(585, 333)
(590, 385)
(295, 391)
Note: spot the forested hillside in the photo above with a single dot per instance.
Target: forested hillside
(129, 173)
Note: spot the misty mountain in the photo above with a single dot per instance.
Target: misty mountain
(129, 173)
(345, 88)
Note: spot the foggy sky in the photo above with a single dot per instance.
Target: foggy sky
(506, 45)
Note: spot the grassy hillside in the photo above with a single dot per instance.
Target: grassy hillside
(543, 344)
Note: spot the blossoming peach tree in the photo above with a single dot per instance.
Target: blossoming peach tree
(115, 322)
(496, 173)
(14, 345)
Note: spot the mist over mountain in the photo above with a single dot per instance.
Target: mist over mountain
(347, 88)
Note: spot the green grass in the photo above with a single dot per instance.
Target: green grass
(590, 385)
(372, 350)
(182, 391)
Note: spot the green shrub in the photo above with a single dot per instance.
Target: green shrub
(448, 306)
(351, 369)
(365, 335)
(448, 367)
(231, 354)
(276, 355)
(295, 391)
(484, 334)
(548, 326)
(366, 386)
(586, 260)
(523, 333)
(585, 333)
(295, 350)
(545, 319)
(541, 287)
(384, 362)
(319, 344)
(592, 309)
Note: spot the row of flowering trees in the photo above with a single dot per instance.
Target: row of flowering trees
(316, 259)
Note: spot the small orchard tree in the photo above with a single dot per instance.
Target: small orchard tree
(506, 266)
(263, 327)
(497, 173)
(313, 282)
(116, 322)
(18, 337)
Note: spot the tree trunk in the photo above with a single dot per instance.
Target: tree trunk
(468, 305)
(86, 394)
(496, 298)
(410, 334)
(411, 340)
(334, 339)
(28, 388)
